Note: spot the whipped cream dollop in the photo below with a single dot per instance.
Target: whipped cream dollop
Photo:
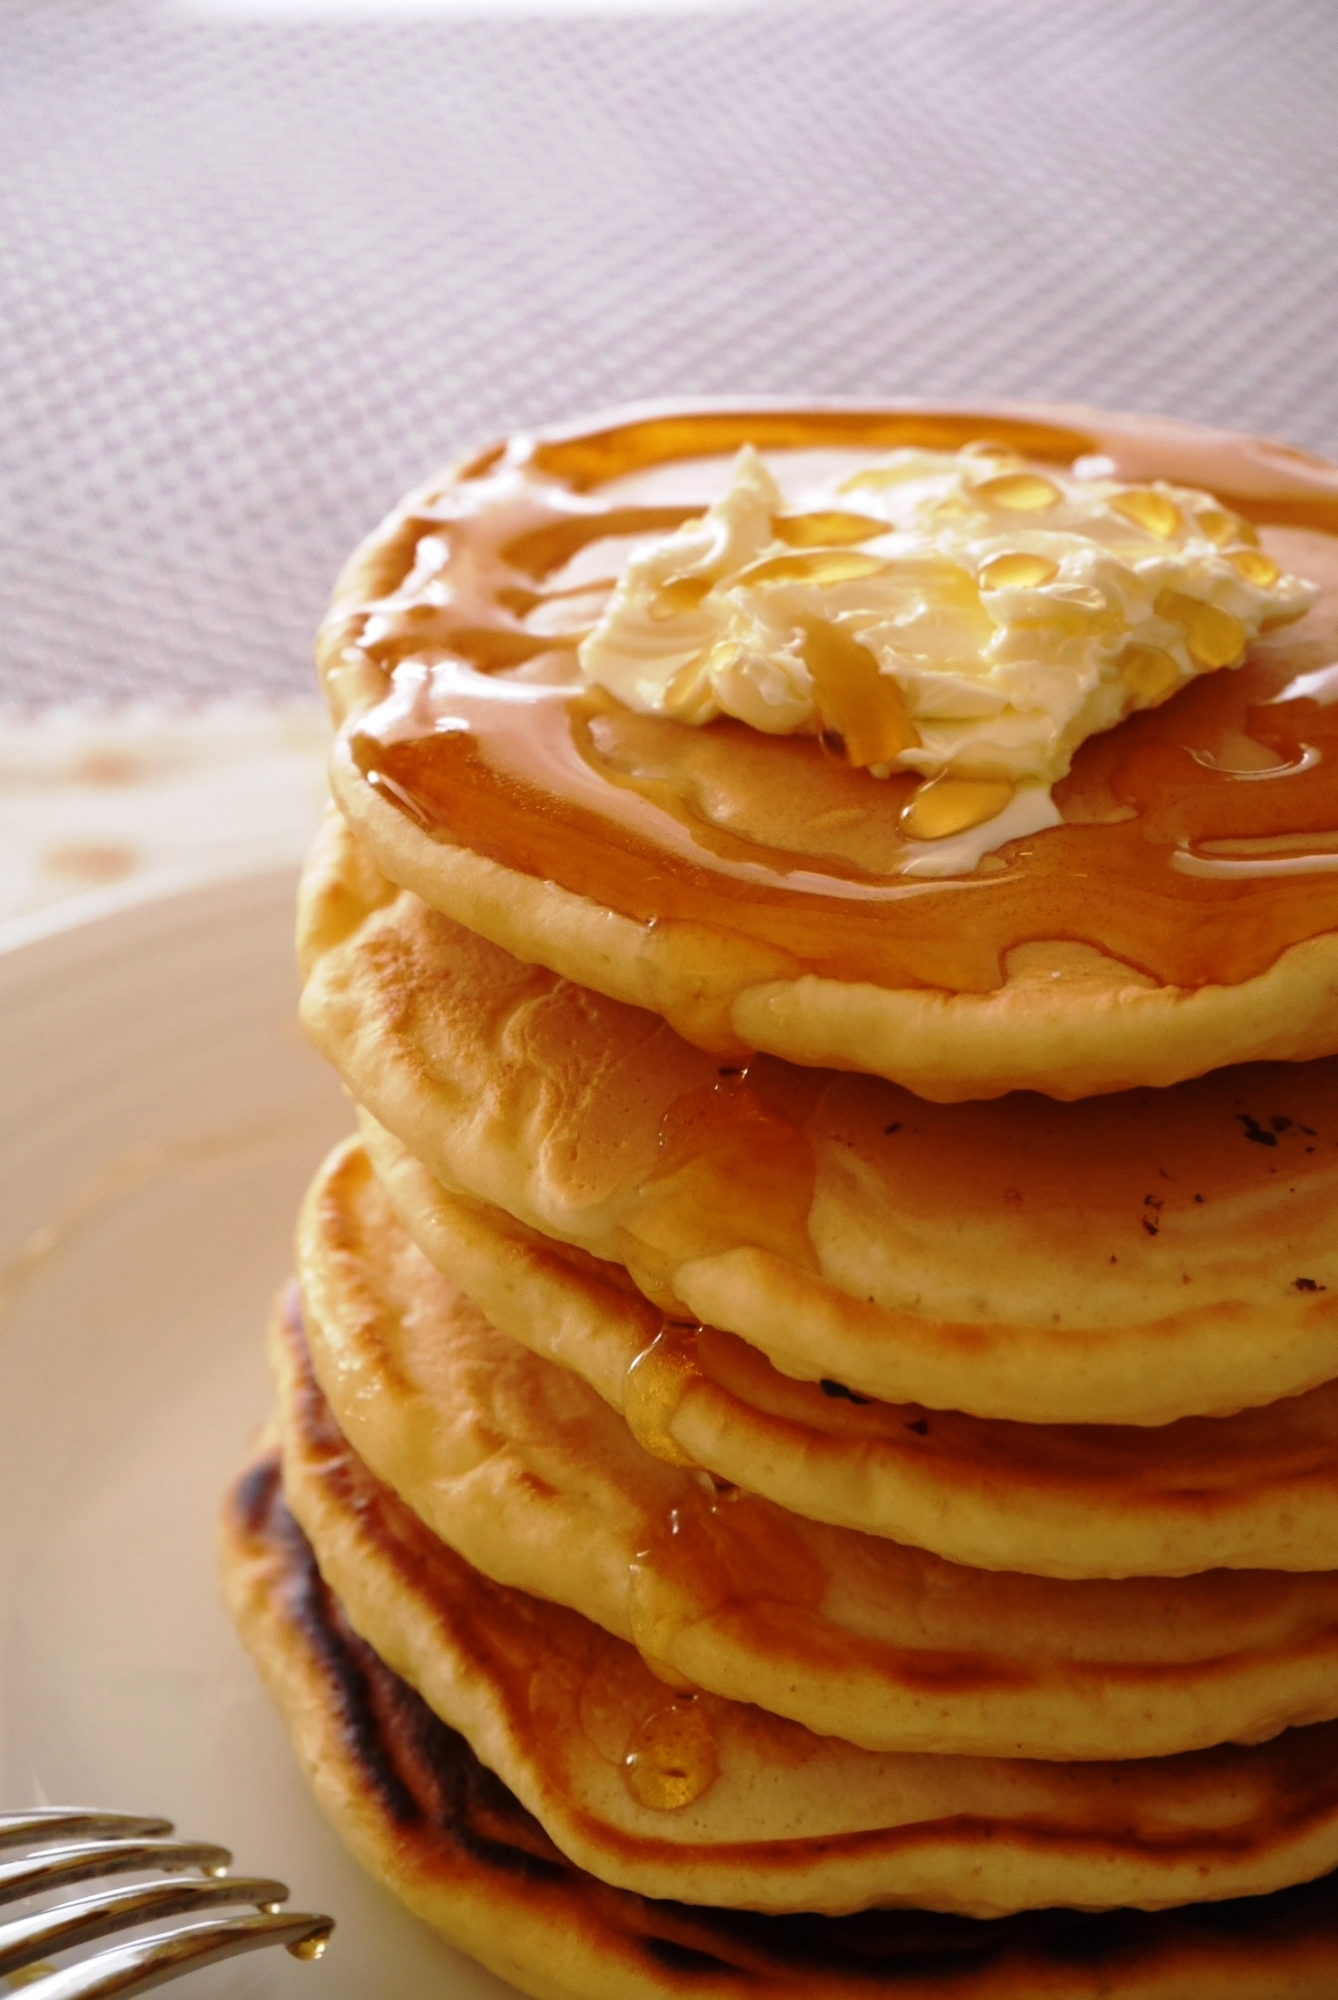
(967, 616)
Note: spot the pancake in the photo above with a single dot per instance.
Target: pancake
(707, 1800)
(552, 1704)
(1255, 1491)
(525, 1472)
(752, 888)
(411, 1800)
(1133, 1259)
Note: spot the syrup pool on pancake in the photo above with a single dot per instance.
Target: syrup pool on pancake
(1072, 685)
(972, 623)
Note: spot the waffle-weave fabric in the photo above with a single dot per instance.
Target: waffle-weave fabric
(257, 276)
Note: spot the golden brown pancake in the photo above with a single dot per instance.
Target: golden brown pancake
(1254, 1491)
(1131, 1259)
(680, 1793)
(423, 1815)
(747, 887)
(524, 1471)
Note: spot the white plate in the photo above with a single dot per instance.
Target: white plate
(159, 1117)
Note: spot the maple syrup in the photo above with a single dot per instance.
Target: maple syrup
(1200, 838)
(656, 1382)
(671, 1760)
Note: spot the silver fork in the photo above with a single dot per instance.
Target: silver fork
(68, 1845)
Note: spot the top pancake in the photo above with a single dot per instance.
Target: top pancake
(1179, 919)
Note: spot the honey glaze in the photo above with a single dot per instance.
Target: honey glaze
(1199, 839)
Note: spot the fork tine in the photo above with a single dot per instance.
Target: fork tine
(52, 1868)
(133, 1968)
(48, 1823)
(28, 1939)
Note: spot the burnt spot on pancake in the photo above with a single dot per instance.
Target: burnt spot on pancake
(260, 1510)
(421, 1773)
(895, 1948)
(252, 1498)
(676, 1956)
(1260, 1134)
(1308, 1285)
(830, 1388)
(433, 1766)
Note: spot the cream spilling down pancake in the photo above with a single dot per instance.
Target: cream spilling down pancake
(683, 1794)
(1132, 1259)
(413, 1802)
(978, 750)
(1257, 1491)
(524, 1471)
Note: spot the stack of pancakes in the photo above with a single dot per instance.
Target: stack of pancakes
(795, 1474)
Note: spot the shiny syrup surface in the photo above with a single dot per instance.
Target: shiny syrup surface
(1200, 839)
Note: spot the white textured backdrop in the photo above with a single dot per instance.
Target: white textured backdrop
(259, 275)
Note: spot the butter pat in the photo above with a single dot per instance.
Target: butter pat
(966, 616)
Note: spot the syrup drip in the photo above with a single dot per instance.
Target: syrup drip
(733, 1167)
(489, 738)
(310, 1949)
(656, 1382)
(722, 1560)
(671, 1760)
